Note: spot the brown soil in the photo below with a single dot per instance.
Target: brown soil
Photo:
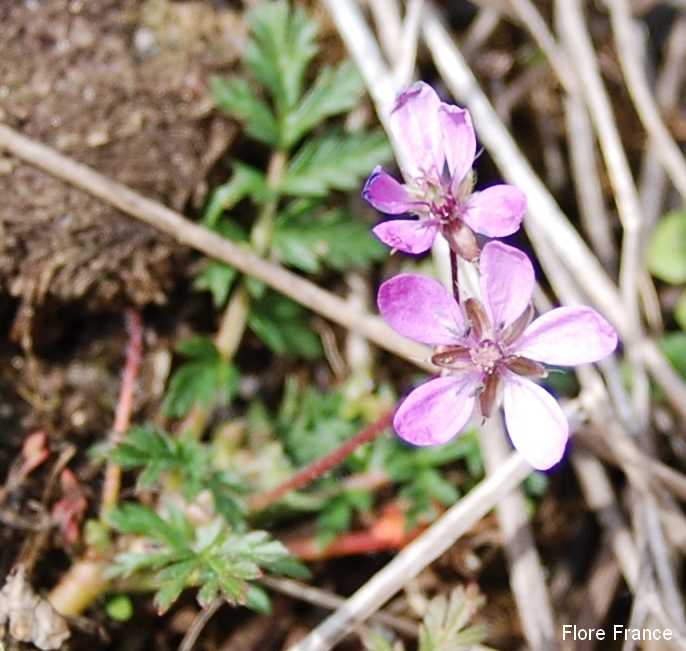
(121, 86)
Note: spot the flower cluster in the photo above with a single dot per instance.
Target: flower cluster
(486, 350)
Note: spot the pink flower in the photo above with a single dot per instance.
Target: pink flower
(491, 347)
(432, 135)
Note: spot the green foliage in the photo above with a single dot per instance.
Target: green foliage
(667, 248)
(422, 483)
(335, 240)
(205, 378)
(188, 461)
(336, 90)
(212, 557)
(279, 53)
(336, 515)
(119, 608)
(680, 311)
(282, 46)
(283, 326)
(235, 96)
(446, 625)
(310, 422)
(216, 278)
(245, 182)
(673, 345)
(334, 162)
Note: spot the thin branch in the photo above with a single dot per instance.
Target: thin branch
(578, 43)
(321, 466)
(213, 245)
(324, 598)
(404, 68)
(594, 218)
(527, 578)
(122, 419)
(653, 180)
(628, 49)
(416, 556)
(480, 30)
(198, 624)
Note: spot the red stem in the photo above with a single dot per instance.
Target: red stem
(320, 466)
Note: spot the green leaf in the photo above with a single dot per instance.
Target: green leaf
(235, 96)
(334, 162)
(667, 248)
(283, 326)
(680, 311)
(216, 278)
(333, 240)
(282, 45)
(119, 608)
(138, 519)
(198, 347)
(246, 181)
(673, 345)
(258, 600)
(335, 91)
(201, 381)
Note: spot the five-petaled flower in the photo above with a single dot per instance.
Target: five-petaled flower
(491, 347)
(432, 135)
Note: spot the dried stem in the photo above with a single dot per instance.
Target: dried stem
(122, 420)
(326, 599)
(633, 67)
(198, 624)
(213, 245)
(417, 555)
(321, 466)
(653, 180)
(527, 578)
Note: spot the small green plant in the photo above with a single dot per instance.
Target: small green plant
(185, 463)
(446, 625)
(179, 554)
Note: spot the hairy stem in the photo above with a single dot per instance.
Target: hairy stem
(321, 466)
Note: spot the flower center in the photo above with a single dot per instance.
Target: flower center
(486, 356)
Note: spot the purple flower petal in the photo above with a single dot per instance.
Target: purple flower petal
(537, 426)
(459, 141)
(408, 235)
(417, 132)
(507, 283)
(387, 195)
(496, 211)
(420, 308)
(568, 336)
(437, 410)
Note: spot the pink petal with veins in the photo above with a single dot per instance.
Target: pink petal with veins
(436, 411)
(420, 308)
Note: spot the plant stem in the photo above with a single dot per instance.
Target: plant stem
(317, 468)
(455, 275)
(122, 419)
(235, 318)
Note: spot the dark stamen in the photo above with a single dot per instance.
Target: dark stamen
(488, 394)
(515, 330)
(481, 325)
(527, 367)
(453, 357)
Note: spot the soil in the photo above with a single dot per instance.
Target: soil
(120, 86)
